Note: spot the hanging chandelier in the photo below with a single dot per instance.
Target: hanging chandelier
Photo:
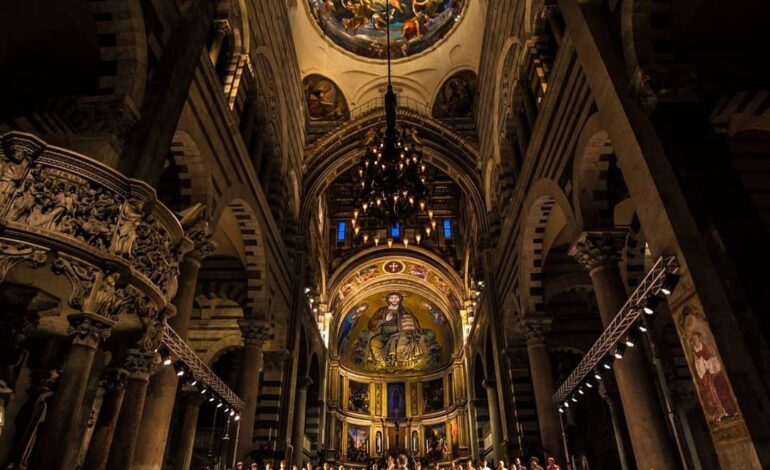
(391, 178)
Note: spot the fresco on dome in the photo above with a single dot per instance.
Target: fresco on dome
(324, 100)
(359, 26)
(393, 333)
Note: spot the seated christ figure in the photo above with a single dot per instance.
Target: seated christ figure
(399, 342)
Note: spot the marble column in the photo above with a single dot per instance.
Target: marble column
(300, 411)
(114, 382)
(617, 427)
(255, 333)
(599, 252)
(61, 436)
(494, 418)
(161, 393)
(192, 405)
(535, 331)
(221, 28)
(140, 365)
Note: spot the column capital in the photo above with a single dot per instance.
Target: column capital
(140, 364)
(535, 329)
(596, 248)
(193, 398)
(255, 332)
(89, 329)
(114, 378)
(275, 359)
(489, 383)
(304, 382)
(203, 245)
(221, 26)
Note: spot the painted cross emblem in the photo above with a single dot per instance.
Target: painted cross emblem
(393, 267)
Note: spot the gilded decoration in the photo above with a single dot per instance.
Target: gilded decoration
(393, 333)
(359, 26)
(417, 271)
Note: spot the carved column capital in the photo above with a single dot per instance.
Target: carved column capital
(489, 383)
(12, 254)
(114, 378)
(535, 329)
(193, 398)
(255, 332)
(275, 359)
(304, 382)
(595, 249)
(140, 364)
(198, 230)
(221, 27)
(88, 329)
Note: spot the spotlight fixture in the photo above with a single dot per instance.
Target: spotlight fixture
(232, 412)
(629, 341)
(650, 305)
(211, 398)
(193, 382)
(561, 410)
(237, 417)
(642, 327)
(597, 375)
(607, 365)
(580, 391)
(669, 283)
(566, 404)
(619, 351)
(180, 372)
(574, 400)
(204, 390)
(219, 405)
(227, 409)
(589, 385)
(166, 358)
(307, 290)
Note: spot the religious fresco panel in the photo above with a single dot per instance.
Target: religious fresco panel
(358, 397)
(454, 436)
(436, 446)
(433, 395)
(396, 401)
(360, 26)
(324, 100)
(456, 97)
(393, 333)
(358, 443)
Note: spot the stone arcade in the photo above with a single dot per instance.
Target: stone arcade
(189, 277)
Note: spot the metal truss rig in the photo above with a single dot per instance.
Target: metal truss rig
(199, 370)
(618, 328)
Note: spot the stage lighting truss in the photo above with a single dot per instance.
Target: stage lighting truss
(198, 369)
(660, 280)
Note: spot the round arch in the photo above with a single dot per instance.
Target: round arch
(241, 203)
(545, 199)
(339, 150)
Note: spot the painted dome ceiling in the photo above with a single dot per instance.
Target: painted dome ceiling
(394, 332)
(359, 25)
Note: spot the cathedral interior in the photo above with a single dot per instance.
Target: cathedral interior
(338, 231)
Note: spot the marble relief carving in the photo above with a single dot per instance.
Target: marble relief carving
(113, 239)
